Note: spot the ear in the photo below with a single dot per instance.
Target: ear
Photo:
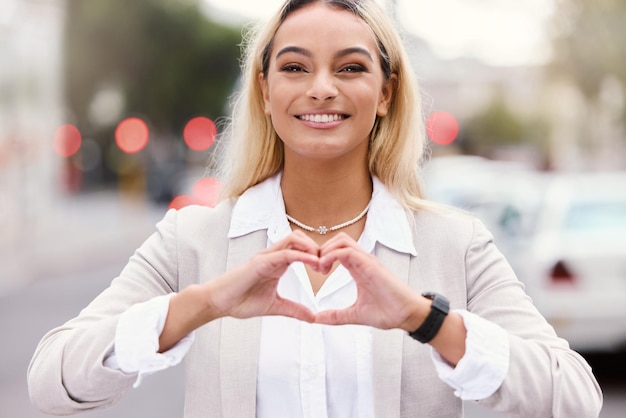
(265, 91)
(389, 88)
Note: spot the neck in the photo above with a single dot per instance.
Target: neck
(325, 194)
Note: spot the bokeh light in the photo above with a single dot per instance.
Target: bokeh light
(67, 140)
(205, 192)
(199, 133)
(132, 135)
(442, 128)
(181, 201)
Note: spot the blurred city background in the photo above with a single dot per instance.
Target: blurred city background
(110, 111)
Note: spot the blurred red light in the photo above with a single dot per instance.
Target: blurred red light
(181, 201)
(561, 274)
(199, 133)
(442, 128)
(67, 140)
(206, 191)
(132, 135)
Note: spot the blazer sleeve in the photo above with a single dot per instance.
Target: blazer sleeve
(545, 377)
(66, 373)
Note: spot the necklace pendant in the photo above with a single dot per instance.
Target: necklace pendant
(322, 230)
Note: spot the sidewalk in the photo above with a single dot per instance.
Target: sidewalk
(81, 232)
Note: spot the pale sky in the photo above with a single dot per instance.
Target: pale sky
(499, 32)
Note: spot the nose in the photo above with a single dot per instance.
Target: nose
(322, 87)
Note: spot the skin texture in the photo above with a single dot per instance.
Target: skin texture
(324, 61)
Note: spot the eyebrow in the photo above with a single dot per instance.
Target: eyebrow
(342, 53)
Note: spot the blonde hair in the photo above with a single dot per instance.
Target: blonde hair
(253, 151)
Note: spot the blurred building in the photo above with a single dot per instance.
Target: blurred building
(31, 107)
(583, 135)
(465, 86)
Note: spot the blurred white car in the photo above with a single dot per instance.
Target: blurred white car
(506, 196)
(564, 235)
(574, 261)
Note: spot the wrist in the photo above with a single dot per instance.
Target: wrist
(193, 306)
(430, 326)
(418, 313)
(186, 311)
(201, 299)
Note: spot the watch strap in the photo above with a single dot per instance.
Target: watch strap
(431, 325)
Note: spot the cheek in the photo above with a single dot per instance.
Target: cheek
(276, 98)
(370, 102)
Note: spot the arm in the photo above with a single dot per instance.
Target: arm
(545, 377)
(66, 373)
(244, 292)
(384, 301)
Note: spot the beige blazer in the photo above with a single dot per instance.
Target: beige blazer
(455, 256)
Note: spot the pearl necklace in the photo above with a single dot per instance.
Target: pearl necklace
(322, 230)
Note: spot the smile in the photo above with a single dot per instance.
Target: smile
(324, 118)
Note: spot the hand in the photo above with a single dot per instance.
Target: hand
(251, 289)
(383, 301)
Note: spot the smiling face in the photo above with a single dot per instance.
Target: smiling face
(324, 86)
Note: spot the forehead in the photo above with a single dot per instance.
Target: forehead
(325, 26)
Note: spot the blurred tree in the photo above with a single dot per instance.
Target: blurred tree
(169, 61)
(589, 51)
(497, 126)
(161, 60)
(589, 42)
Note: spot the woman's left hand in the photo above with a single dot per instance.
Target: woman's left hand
(383, 301)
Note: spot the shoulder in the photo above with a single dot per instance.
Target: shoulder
(443, 220)
(200, 214)
(446, 229)
(200, 222)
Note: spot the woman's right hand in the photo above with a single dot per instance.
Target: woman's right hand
(247, 291)
(251, 289)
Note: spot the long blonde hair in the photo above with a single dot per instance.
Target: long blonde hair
(253, 152)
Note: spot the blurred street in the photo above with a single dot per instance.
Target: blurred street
(66, 269)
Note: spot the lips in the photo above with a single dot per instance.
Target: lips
(322, 118)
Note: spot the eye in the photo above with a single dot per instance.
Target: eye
(292, 68)
(353, 68)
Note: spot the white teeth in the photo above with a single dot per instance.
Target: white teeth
(321, 118)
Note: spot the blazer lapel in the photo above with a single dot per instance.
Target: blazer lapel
(240, 340)
(387, 344)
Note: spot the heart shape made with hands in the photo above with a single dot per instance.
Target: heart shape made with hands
(382, 300)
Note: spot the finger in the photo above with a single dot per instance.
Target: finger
(352, 258)
(337, 249)
(336, 317)
(278, 261)
(341, 240)
(296, 240)
(286, 307)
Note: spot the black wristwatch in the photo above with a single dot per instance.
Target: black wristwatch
(432, 323)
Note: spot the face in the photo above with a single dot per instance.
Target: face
(324, 86)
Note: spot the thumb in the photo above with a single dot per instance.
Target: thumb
(286, 307)
(334, 317)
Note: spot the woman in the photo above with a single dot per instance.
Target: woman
(315, 287)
